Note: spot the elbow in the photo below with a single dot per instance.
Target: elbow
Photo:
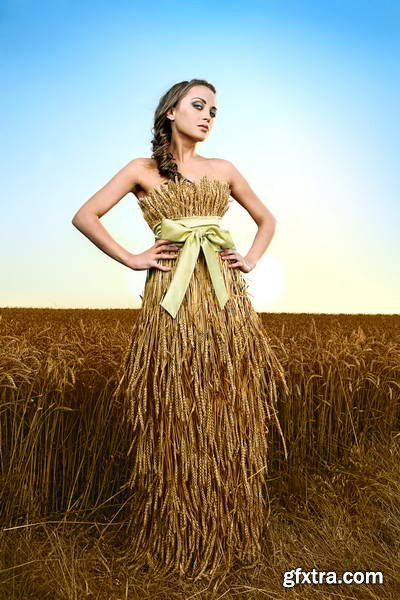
(272, 221)
(78, 222)
(269, 221)
(75, 219)
(81, 217)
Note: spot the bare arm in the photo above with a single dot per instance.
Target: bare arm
(87, 221)
(265, 220)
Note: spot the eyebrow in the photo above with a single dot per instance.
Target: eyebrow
(204, 101)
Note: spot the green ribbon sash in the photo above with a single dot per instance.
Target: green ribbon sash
(195, 232)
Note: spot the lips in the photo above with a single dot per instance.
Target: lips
(204, 127)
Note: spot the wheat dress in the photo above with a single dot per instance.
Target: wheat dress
(199, 390)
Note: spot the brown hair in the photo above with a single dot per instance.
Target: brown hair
(161, 130)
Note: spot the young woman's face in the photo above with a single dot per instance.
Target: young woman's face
(195, 113)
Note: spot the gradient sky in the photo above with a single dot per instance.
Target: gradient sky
(308, 99)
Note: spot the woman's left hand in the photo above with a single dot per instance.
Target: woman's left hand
(239, 262)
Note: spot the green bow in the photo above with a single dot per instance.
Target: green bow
(195, 232)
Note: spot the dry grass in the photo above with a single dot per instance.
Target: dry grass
(335, 503)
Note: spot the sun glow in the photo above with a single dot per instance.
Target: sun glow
(266, 283)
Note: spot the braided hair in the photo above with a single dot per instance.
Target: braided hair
(161, 130)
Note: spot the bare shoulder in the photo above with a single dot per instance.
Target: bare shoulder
(126, 180)
(227, 170)
(142, 171)
(129, 177)
(147, 164)
(243, 193)
(221, 169)
(231, 174)
(148, 176)
(136, 164)
(136, 169)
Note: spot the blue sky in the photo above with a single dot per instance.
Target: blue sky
(308, 96)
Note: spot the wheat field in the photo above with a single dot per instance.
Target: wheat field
(334, 503)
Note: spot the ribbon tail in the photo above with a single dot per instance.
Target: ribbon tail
(215, 272)
(182, 274)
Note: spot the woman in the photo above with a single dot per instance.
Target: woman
(199, 378)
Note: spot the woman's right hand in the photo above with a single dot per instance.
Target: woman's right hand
(149, 258)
